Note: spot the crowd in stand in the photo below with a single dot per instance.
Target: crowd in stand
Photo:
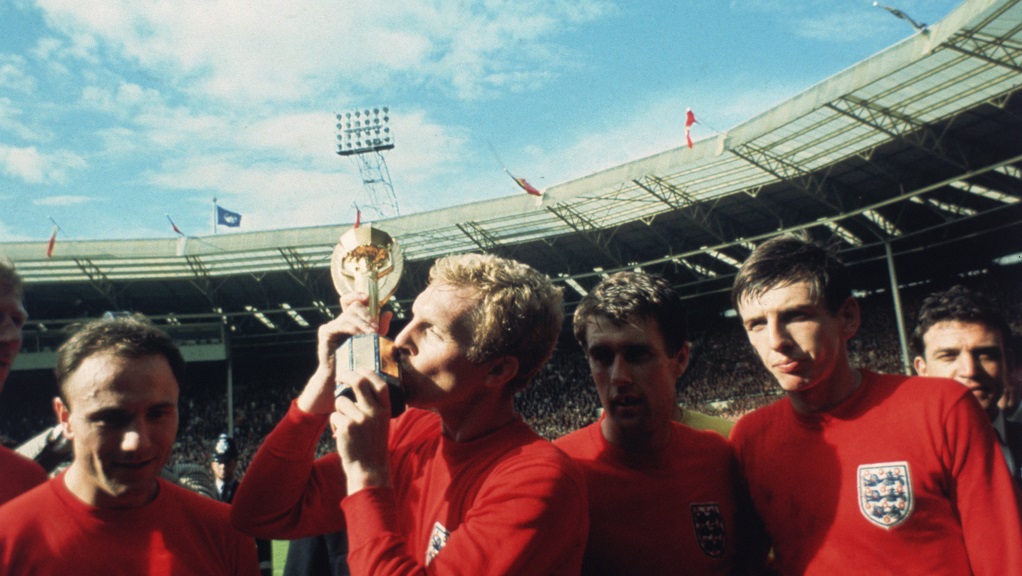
(724, 379)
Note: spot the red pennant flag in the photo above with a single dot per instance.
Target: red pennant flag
(529, 188)
(690, 119)
(176, 229)
(53, 242)
(358, 218)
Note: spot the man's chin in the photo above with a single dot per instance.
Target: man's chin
(986, 400)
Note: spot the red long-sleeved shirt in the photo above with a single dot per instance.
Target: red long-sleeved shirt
(903, 477)
(506, 503)
(49, 531)
(665, 512)
(17, 474)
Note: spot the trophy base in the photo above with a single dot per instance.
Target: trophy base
(372, 352)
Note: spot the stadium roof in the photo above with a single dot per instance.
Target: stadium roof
(916, 152)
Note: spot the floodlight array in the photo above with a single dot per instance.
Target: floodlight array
(364, 130)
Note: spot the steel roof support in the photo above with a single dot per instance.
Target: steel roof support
(789, 171)
(203, 280)
(587, 229)
(479, 236)
(100, 282)
(898, 125)
(680, 200)
(996, 51)
(303, 273)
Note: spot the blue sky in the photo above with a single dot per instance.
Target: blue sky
(114, 113)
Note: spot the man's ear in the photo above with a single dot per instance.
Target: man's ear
(682, 357)
(850, 317)
(502, 370)
(63, 416)
(920, 365)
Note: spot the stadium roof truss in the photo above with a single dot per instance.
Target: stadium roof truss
(917, 146)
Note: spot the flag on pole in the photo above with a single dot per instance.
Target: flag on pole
(358, 218)
(524, 184)
(53, 242)
(690, 119)
(174, 226)
(227, 218)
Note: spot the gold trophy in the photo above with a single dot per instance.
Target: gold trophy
(368, 260)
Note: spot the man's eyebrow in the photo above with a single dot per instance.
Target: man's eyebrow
(107, 413)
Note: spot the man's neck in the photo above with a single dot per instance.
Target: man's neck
(828, 394)
(473, 422)
(84, 489)
(639, 442)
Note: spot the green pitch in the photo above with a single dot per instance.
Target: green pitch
(279, 555)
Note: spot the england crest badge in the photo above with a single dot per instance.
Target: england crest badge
(709, 525)
(885, 493)
(437, 540)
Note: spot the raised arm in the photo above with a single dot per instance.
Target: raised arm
(284, 493)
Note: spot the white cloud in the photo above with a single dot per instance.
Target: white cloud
(11, 125)
(13, 74)
(426, 148)
(271, 196)
(124, 101)
(34, 167)
(844, 26)
(302, 181)
(234, 49)
(64, 200)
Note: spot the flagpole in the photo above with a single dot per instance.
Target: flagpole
(214, 215)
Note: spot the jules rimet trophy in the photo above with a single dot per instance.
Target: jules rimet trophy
(367, 259)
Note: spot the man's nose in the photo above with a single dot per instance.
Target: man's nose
(9, 331)
(135, 438)
(620, 371)
(965, 365)
(778, 336)
(403, 342)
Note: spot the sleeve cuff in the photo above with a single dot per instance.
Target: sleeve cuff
(369, 513)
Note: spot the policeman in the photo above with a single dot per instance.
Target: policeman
(224, 464)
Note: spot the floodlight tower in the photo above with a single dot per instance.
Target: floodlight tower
(364, 134)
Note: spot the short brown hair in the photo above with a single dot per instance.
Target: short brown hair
(518, 313)
(788, 259)
(132, 336)
(958, 304)
(635, 294)
(10, 281)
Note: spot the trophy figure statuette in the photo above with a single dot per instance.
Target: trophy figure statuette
(368, 260)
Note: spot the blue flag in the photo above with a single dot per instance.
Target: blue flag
(227, 218)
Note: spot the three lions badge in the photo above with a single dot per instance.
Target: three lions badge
(709, 525)
(885, 493)
(437, 540)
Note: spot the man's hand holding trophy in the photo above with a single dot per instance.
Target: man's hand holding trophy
(368, 260)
